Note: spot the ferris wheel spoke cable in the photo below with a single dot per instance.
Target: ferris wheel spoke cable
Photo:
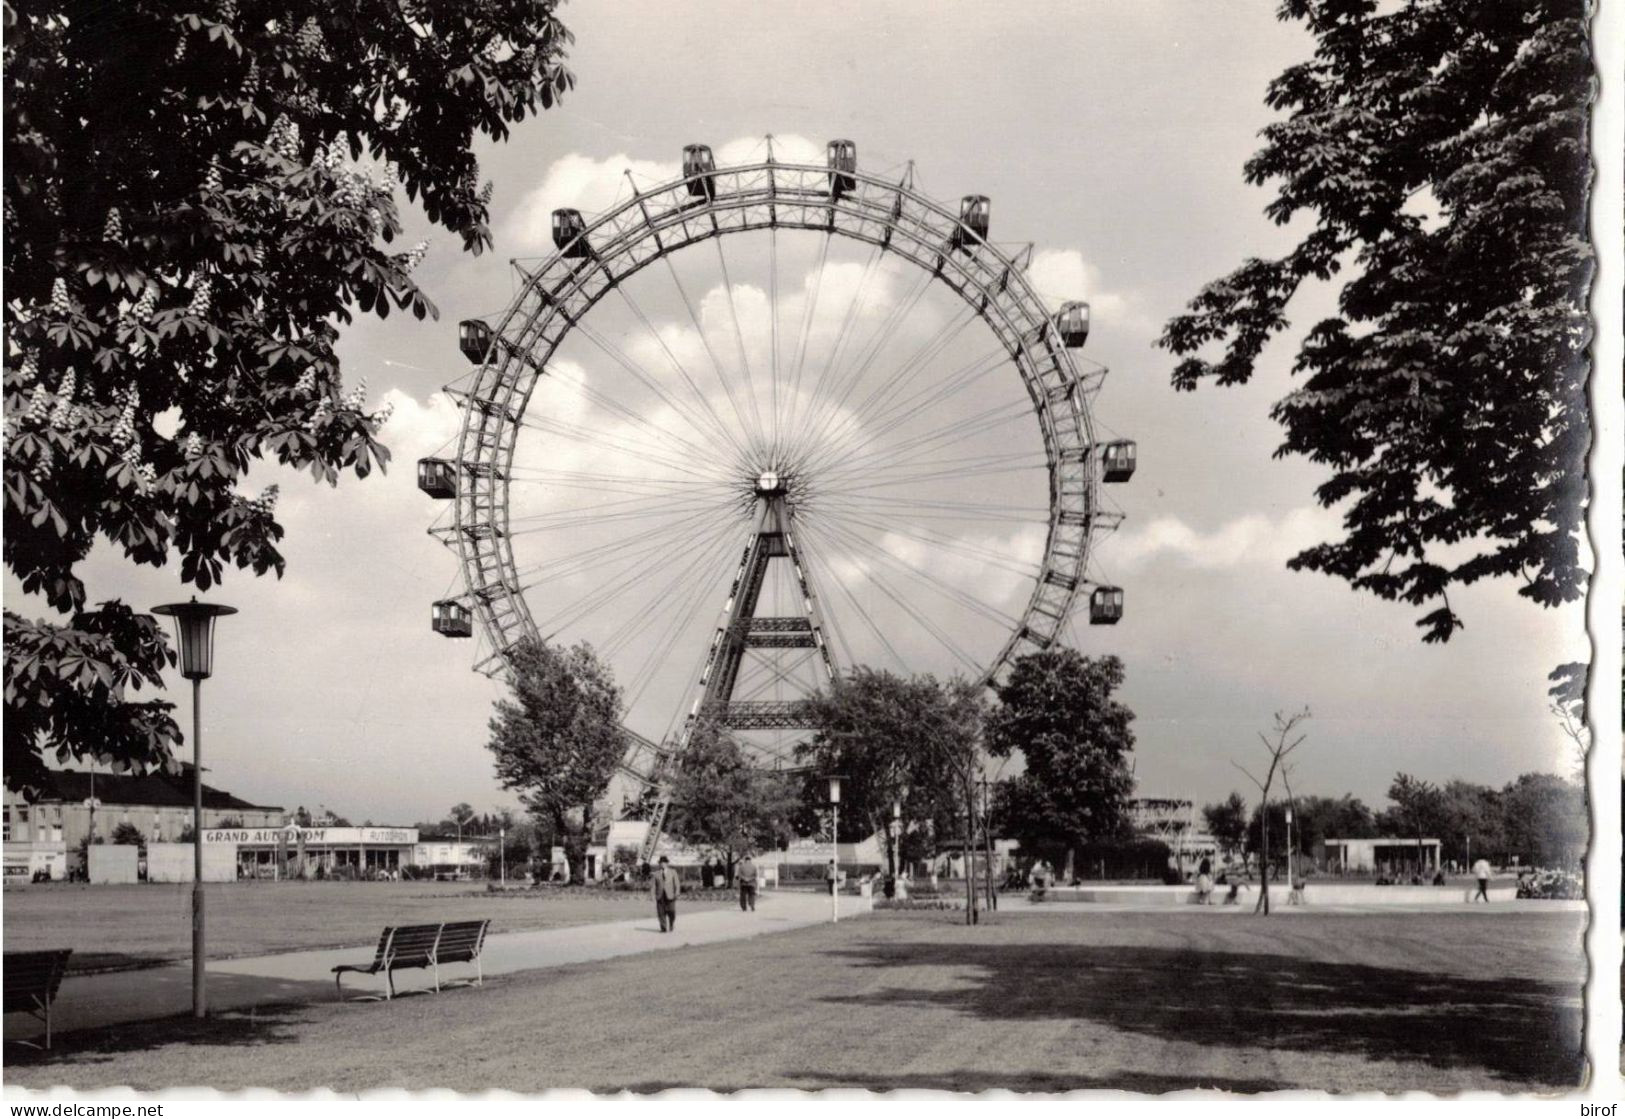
(610, 404)
(854, 420)
(611, 588)
(660, 651)
(756, 449)
(942, 540)
(597, 438)
(773, 328)
(565, 566)
(815, 563)
(919, 403)
(866, 457)
(937, 583)
(739, 341)
(981, 458)
(710, 411)
(621, 483)
(665, 600)
(589, 518)
(809, 313)
(647, 379)
(821, 419)
(925, 623)
(844, 384)
(858, 611)
(837, 352)
(959, 475)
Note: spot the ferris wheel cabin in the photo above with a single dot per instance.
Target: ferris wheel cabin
(1106, 606)
(1117, 461)
(973, 222)
(452, 619)
(698, 167)
(1072, 323)
(474, 339)
(842, 156)
(437, 477)
(570, 234)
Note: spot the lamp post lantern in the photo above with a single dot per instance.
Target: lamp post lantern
(835, 849)
(194, 631)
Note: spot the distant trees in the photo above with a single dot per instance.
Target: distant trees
(1545, 819)
(128, 835)
(724, 804)
(558, 739)
(1227, 822)
(1437, 155)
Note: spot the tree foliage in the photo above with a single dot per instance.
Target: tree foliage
(1057, 708)
(197, 196)
(1227, 822)
(1441, 149)
(558, 739)
(894, 739)
(127, 834)
(724, 804)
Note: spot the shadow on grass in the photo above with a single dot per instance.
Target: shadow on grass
(986, 1081)
(265, 1025)
(1520, 1029)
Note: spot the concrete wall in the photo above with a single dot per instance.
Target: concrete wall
(111, 863)
(172, 862)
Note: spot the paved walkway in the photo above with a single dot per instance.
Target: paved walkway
(132, 996)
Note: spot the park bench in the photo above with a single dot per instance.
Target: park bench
(421, 946)
(31, 983)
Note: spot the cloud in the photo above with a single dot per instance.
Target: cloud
(1252, 539)
(1059, 275)
(579, 182)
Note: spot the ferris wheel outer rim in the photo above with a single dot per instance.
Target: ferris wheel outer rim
(480, 526)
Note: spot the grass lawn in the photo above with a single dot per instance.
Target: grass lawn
(1134, 1001)
(111, 926)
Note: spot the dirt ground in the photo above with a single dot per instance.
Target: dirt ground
(121, 926)
(1134, 1001)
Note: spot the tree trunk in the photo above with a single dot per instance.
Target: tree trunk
(970, 856)
(1263, 903)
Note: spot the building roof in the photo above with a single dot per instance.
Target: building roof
(148, 790)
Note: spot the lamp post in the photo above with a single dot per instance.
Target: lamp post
(1289, 878)
(502, 854)
(194, 631)
(835, 849)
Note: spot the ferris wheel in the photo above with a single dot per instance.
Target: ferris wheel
(760, 424)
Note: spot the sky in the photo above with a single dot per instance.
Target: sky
(1110, 135)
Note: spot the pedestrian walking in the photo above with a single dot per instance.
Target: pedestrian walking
(834, 875)
(1481, 871)
(1204, 882)
(745, 872)
(666, 888)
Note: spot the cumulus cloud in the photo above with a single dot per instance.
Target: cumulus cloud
(1248, 540)
(592, 186)
(1060, 275)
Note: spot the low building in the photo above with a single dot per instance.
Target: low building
(295, 852)
(1382, 854)
(454, 856)
(48, 829)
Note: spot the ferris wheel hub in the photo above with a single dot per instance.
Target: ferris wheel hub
(770, 483)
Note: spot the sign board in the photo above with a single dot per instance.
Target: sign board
(317, 837)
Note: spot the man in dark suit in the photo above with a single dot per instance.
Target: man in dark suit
(666, 888)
